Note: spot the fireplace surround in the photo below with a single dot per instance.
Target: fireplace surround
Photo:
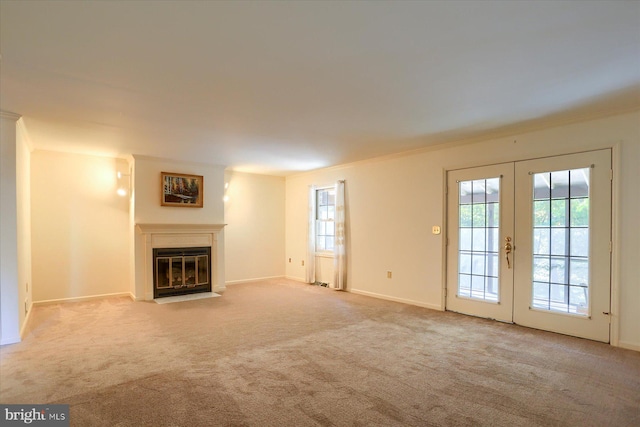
(185, 238)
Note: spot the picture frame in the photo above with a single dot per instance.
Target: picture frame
(181, 190)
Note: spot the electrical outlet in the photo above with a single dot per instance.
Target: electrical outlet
(435, 229)
(389, 274)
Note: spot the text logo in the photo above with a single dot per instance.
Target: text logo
(35, 415)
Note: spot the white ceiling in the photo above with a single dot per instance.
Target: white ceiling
(279, 87)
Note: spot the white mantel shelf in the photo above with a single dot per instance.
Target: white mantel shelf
(179, 228)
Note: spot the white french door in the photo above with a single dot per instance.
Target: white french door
(480, 210)
(529, 243)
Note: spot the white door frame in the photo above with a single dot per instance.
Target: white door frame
(615, 228)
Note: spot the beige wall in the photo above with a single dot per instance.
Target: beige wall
(9, 293)
(394, 201)
(147, 188)
(79, 227)
(23, 187)
(254, 213)
(389, 211)
(628, 243)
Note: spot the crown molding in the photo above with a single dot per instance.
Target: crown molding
(10, 115)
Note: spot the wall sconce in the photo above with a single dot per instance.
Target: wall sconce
(124, 184)
(225, 198)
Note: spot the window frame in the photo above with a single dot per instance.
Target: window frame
(330, 190)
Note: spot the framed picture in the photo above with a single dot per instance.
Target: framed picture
(182, 190)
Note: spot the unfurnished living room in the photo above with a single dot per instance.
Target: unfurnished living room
(334, 213)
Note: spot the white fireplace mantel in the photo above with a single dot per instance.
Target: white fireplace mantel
(179, 228)
(152, 236)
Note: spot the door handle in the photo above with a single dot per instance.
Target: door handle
(507, 250)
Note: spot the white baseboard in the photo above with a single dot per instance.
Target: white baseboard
(629, 345)
(395, 299)
(10, 340)
(26, 321)
(257, 279)
(86, 298)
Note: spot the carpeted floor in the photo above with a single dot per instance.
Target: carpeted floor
(281, 353)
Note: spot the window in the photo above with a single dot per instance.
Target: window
(561, 241)
(325, 219)
(479, 239)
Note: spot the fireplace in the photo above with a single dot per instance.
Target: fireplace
(178, 246)
(181, 271)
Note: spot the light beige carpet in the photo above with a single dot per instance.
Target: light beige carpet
(281, 353)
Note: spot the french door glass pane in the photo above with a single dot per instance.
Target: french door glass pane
(478, 246)
(560, 279)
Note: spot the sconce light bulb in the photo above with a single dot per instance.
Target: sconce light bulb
(226, 185)
(122, 192)
(119, 174)
(225, 199)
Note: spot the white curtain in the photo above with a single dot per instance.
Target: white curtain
(340, 245)
(311, 237)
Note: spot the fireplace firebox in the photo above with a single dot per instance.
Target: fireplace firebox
(181, 271)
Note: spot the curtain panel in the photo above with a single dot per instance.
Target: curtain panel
(340, 244)
(310, 275)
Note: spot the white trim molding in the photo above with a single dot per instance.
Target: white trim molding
(628, 345)
(256, 279)
(616, 249)
(9, 115)
(80, 299)
(395, 299)
(27, 318)
(179, 228)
